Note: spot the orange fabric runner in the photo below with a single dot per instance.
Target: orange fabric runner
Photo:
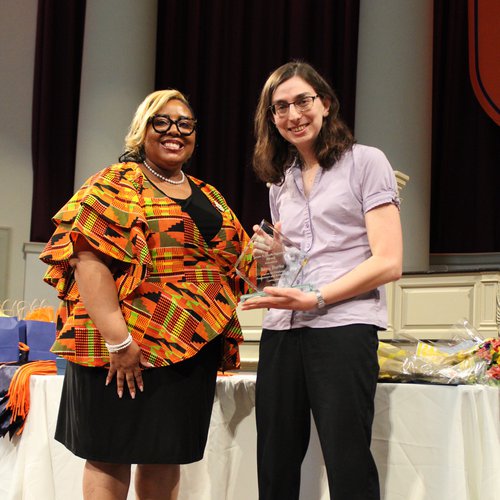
(19, 389)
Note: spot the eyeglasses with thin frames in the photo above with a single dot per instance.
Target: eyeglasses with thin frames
(301, 104)
(162, 124)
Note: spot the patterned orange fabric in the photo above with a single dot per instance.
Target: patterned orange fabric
(177, 291)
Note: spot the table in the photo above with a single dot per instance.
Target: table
(429, 442)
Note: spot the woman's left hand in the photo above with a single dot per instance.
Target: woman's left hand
(282, 298)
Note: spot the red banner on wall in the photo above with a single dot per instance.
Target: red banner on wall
(484, 54)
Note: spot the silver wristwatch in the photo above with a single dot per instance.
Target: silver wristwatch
(321, 301)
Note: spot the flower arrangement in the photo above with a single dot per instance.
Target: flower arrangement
(489, 351)
(467, 358)
(424, 362)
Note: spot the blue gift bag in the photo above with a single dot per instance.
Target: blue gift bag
(40, 335)
(61, 364)
(12, 331)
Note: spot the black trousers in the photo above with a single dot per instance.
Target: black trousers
(333, 372)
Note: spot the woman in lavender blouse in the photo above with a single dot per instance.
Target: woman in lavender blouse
(318, 351)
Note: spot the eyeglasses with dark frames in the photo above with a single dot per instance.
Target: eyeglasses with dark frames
(163, 123)
(301, 104)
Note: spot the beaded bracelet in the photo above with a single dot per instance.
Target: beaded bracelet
(114, 348)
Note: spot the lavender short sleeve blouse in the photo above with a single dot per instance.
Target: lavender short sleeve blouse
(330, 227)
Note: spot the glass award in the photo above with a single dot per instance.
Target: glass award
(270, 259)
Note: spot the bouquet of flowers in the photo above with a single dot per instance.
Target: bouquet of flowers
(466, 359)
(489, 351)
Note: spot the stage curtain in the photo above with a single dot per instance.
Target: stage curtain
(220, 52)
(56, 93)
(465, 179)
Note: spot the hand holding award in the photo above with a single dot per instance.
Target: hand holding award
(270, 262)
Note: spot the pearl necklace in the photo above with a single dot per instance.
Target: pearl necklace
(166, 179)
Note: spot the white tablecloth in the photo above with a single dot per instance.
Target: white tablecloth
(429, 442)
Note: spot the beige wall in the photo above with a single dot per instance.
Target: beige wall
(118, 72)
(394, 105)
(17, 53)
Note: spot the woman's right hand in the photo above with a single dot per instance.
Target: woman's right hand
(127, 365)
(266, 244)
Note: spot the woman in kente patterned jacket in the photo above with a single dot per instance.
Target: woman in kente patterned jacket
(143, 260)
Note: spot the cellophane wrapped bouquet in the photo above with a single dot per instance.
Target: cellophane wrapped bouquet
(465, 359)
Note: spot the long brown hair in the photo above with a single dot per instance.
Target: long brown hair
(272, 153)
